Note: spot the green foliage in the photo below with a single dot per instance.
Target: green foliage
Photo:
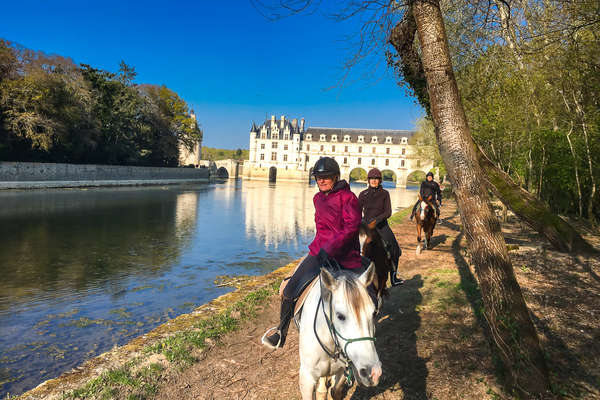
(209, 153)
(358, 174)
(527, 88)
(53, 110)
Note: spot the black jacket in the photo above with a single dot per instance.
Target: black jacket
(375, 204)
(431, 189)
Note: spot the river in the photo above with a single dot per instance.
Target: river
(84, 270)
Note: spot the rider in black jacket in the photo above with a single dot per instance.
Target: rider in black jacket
(375, 205)
(429, 187)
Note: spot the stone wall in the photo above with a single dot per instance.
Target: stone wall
(32, 175)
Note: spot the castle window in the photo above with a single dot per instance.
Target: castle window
(263, 135)
(360, 149)
(286, 136)
(332, 149)
(345, 160)
(404, 140)
(346, 138)
(402, 163)
(388, 139)
(359, 160)
(387, 150)
(308, 136)
(262, 156)
(387, 162)
(308, 147)
(361, 139)
(285, 146)
(275, 135)
(334, 138)
(322, 138)
(274, 145)
(374, 139)
(403, 151)
(322, 147)
(307, 159)
(273, 156)
(372, 161)
(285, 157)
(262, 146)
(374, 150)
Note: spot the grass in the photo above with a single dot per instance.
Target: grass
(134, 382)
(399, 216)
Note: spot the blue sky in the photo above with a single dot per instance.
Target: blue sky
(226, 60)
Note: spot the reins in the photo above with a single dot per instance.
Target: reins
(338, 353)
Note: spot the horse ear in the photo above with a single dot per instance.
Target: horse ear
(327, 279)
(368, 276)
(372, 224)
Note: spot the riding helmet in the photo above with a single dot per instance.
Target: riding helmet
(429, 174)
(374, 174)
(326, 166)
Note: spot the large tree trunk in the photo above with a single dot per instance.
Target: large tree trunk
(534, 212)
(506, 312)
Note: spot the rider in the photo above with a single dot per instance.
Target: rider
(375, 205)
(429, 187)
(337, 218)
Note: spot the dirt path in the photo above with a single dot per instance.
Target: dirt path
(429, 339)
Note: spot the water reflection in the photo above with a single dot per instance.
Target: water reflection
(84, 270)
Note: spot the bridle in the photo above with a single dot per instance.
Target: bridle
(338, 352)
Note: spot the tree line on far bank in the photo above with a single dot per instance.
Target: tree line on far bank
(52, 110)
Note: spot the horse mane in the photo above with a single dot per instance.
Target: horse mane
(357, 297)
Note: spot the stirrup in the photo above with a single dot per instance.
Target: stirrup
(264, 340)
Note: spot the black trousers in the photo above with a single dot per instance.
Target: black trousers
(390, 242)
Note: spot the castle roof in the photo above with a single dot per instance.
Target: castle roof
(354, 133)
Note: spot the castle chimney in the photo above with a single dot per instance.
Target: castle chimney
(282, 121)
(302, 125)
(272, 120)
(294, 123)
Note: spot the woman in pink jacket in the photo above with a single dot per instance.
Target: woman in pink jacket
(337, 217)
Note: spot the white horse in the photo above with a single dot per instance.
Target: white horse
(337, 335)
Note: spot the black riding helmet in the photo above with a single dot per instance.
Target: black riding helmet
(429, 174)
(326, 166)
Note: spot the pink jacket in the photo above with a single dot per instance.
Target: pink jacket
(337, 217)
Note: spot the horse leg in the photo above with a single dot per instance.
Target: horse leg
(419, 233)
(321, 393)
(307, 385)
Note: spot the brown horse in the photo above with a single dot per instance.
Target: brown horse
(371, 246)
(425, 219)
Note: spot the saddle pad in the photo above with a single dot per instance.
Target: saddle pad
(302, 296)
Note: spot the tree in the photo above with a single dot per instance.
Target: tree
(505, 309)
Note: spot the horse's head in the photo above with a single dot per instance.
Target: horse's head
(423, 210)
(366, 236)
(352, 315)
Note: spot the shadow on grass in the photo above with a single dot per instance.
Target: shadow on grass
(403, 369)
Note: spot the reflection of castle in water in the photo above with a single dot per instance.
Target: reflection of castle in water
(281, 213)
(186, 207)
(284, 212)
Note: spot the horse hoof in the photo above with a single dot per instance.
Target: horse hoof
(418, 249)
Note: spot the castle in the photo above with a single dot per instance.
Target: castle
(284, 150)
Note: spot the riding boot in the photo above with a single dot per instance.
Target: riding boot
(414, 210)
(277, 339)
(395, 280)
